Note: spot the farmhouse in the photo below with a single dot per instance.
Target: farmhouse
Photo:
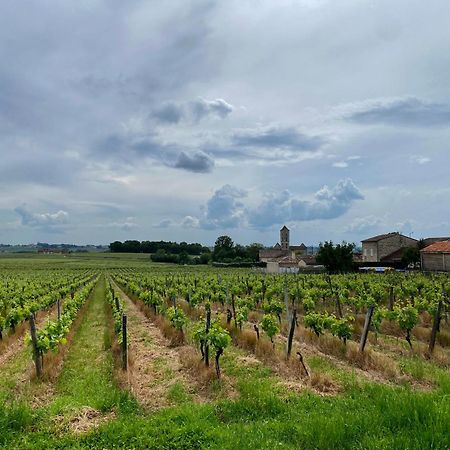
(436, 257)
(386, 247)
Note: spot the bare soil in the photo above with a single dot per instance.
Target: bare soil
(156, 367)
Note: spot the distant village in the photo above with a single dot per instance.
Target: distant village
(384, 250)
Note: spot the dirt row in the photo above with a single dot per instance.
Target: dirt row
(156, 375)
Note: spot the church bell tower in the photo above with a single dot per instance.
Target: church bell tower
(284, 238)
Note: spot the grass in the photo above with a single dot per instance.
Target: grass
(177, 394)
(262, 413)
(368, 417)
(90, 384)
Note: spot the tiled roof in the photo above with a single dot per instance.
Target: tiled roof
(438, 247)
(432, 240)
(380, 237)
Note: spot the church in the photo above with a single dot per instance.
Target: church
(283, 250)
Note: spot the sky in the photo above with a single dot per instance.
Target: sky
(186, 120)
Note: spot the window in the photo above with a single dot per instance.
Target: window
(365, 252)
(371, 252)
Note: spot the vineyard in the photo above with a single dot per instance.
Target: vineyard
(118, 352)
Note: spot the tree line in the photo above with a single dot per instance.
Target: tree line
(225, 251)
(173, 248)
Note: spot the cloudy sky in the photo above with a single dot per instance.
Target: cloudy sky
(184, 120)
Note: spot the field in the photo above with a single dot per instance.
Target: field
(286, 366)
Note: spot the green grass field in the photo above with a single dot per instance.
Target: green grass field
(88, 405)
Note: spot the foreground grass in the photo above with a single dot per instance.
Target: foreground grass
(264, 415)
(86, 381)
(87, 376)
(368, 417)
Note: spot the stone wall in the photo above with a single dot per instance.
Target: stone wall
(370, 252)
(271, 253)
(385, 247)
(392, 243)
(436, 261)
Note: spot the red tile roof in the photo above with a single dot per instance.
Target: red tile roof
(438, 247)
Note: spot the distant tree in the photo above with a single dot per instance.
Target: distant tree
(184, 258)
(132, 246)
(223, 248)
(411, 256)
(205, 258)
(224, 242)
(116, 247)
(153, 246)
(253, 251)
(336, 258)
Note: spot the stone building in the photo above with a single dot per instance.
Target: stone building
(283, 249)
(284, 238)
(436, 257)
(386, 247)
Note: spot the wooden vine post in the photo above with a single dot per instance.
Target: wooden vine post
(233, 306)
(391, 298)
(336, 295)
(36, 353)
(286, 299)
(435, 329)
(124, 343)
(369, 314)
(208, 326)
(291, 332)
(58, 305)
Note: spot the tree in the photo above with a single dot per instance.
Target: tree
(411, 256)
(116, 247)
(223, 248)
(184, 258)
(253, 251)
(336, 258)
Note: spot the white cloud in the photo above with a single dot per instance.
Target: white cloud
(420, 159)
(190, 222)
(367, 224)
(41, 220)
(225, 208)
(340, 164)
(126, 225)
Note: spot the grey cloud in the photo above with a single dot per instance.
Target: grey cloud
(165, 223)
(136, 150)
(197, 162)
(226, 210)
(223, 210)
(408, 112)
(169, 112)
(201, 108)
(47, 221)
(193, 111)
(275, 208)
(28, 167)
(277, 137)
(328, 203)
